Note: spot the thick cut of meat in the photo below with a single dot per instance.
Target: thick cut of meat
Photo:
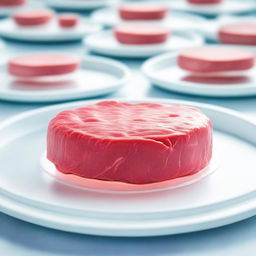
(134, 143)
(12, 2)
(33, 17)
(239, 33)
(202, 2)
(215, 59)
(68, 20)
(140, 34)
(42, 65)
(142, 11)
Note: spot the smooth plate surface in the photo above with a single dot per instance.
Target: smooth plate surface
(174, 20)
(79, 4)
(226, 7)
(6, 11)
(51, 32)
(210, 29)
(96, 76)
(163, 71)
(226, 196)
(105, 43)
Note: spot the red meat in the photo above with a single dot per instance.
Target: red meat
(142, 11)
(202, 2)
(68, 20)
(134, 143)
(141, 34)
(42, 65)
(33, 17)
(239, 33)
(12, 2)
(215, 59)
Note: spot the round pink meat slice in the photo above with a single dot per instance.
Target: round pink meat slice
(215, 59)
(33, 17)
(239, 33)
(134, 143)
(68, 20)
(42, 65)
(12, 3)
(142, 11)
(202, 2)
(140, 34)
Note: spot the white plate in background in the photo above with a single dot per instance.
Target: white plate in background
(96, 76)
(226, 7)
(79, 5)
(50, 32)
(104, 43)
(174, 20)
(163, 72)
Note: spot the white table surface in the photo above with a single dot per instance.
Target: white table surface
(21, 238)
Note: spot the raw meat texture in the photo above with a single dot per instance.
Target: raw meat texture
(68, 20)
(239, 33)
(33, 17)
(42, 65)
(140, 34)
(215, 59)
(12, 3)
(142, 11)
(134, 143)
(202, 2)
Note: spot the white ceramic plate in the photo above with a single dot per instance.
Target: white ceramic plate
(6, 11)
(105, 43)
(227, 7)
(210, 29)
(174, 21)
(96, 76)
(29, 193)
(163, 72)
(79, 4)
(51, 32)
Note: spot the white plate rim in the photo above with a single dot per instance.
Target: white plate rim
(62, 95)
(50, 38)
(247, 207)
(136, 51)
(83, 5)
(194, 17)
(211, 12)
(194, 88)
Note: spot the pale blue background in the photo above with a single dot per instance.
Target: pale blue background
(18, 238)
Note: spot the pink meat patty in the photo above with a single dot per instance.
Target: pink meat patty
(202, 2)
(12, 3)
(68, 20)
(215, 59)
(240, 33)
(33, 17)
(140, 34)
(134, 143)
(42, 65)
(142, 11)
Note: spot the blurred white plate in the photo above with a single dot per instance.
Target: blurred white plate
(210, 29)
(226, 7)
(96, 76)
(79, 4)
(174, 20)
(6, 11)
(51, 32)
(105, 43)
(226, 196)
(163, 72)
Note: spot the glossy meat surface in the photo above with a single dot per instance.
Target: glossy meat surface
(134, 143)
